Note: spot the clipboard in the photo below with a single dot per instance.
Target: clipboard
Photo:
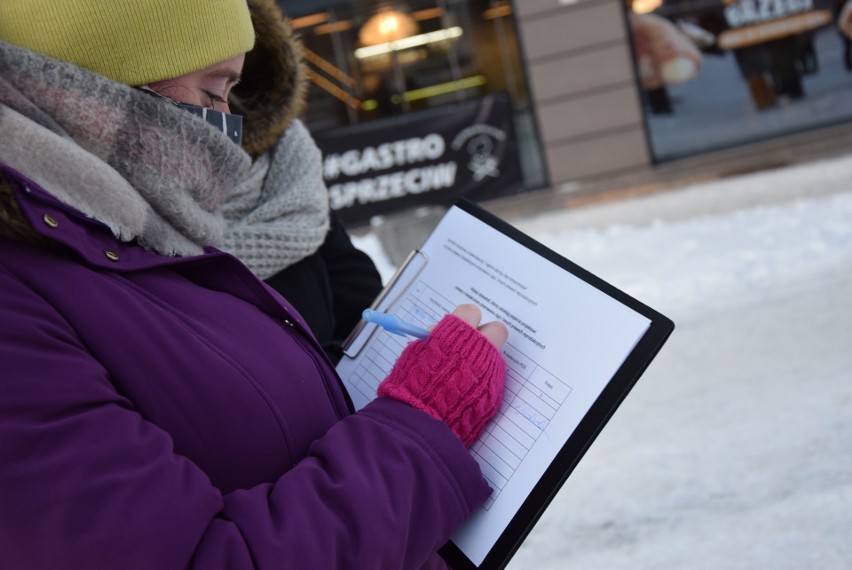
(492, 536)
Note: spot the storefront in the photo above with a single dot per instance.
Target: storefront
(419, 102)
(766, 68)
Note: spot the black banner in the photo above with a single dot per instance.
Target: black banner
(428, 157)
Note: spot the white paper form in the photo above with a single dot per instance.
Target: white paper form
(566, 341)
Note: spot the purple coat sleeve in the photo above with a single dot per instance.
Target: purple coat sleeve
(341, 508)
(87, 482)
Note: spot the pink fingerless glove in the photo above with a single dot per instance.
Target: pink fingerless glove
(456, 375)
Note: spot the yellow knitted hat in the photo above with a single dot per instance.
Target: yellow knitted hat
(130, 41)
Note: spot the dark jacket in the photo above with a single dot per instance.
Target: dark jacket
(331, 287)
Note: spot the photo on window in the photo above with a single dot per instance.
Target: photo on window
(718, 73)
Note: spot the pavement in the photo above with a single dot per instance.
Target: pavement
(554, 210)
(734, 451)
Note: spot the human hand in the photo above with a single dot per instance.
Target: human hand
(456, 375)
(665, 55)
(495, 331)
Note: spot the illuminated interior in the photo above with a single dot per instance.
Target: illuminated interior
(373, 59)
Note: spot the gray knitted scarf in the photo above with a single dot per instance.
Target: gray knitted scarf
(148, 170)
(278, 214)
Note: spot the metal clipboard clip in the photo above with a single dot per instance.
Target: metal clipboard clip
(402, 279)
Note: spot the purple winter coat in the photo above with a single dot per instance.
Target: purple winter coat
(163, 412)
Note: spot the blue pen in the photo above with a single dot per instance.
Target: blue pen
(393, 324)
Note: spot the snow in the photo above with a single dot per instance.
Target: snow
(734, 450)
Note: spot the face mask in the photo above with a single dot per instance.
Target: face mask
(231, 125)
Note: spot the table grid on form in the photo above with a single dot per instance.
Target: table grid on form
(531, 398)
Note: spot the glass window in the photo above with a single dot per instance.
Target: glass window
(372, 61)
(717, 73)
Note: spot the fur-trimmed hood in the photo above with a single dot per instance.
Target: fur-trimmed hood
(13, 224)
(272, 90)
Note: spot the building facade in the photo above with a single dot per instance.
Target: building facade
(522, 95)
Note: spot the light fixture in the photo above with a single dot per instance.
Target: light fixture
(387, 26)
(309, 21)
(645, 6)
(332, 27)
(444, 88)
(409, 42)
(498, 11)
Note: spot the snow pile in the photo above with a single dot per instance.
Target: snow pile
(733, 450)
(707, 262)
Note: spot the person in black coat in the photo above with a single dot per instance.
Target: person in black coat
(331, 287)
(279, 221)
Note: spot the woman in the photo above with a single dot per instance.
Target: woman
(278, 217)
(161, 407)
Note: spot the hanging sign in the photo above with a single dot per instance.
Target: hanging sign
(428, 157)
(755, 22)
